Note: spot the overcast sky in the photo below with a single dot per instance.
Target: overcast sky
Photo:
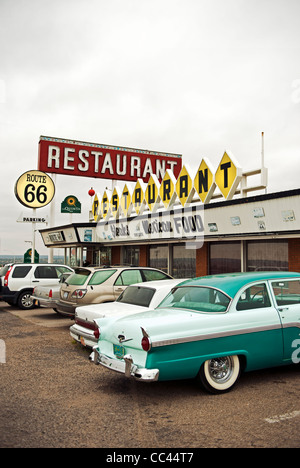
(195, 77)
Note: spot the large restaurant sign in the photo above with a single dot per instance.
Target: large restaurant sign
(77, 158)
(171, 191)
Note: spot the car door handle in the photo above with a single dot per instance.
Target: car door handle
(283, 309)
(35, 281)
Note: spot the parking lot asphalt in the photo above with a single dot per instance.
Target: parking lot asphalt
(52, 396)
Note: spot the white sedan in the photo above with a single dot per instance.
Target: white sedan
(136, 298)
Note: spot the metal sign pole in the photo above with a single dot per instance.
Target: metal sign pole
(33, 235)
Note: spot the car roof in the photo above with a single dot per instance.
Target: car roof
(232, 282)
(159, 284)
(92, 269)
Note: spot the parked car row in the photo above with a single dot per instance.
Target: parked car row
(145, 325)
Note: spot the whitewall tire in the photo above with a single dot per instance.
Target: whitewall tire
(219, 375)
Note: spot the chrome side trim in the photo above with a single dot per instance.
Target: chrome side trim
(210, 336)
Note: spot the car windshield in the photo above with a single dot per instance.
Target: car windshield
(79, 277)
(137, 295)
(197, 298)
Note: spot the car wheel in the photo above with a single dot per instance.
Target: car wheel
(25, 301)
(219, 375)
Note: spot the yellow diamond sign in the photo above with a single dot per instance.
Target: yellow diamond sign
(115, 202)
(184, 187)
(152, 193)
(138, 197)
(167, 190)
(96, 209)
(204, 181)
(125, 202)
(228, 176)
(105, 205)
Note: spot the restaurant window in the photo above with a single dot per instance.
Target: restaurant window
(267, 256)
(158, 257)
(225, 257)
(131, 256)
(184, 262)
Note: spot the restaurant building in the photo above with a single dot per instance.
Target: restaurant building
(187, 226)
(259, 232)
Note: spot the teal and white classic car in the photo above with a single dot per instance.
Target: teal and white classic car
(209, 328)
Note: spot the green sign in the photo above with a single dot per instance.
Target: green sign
(27, 256)
(71, 204)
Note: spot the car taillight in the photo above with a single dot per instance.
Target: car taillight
(79, 293)
(146, 343)
(97, 333)
(82, 323)
(6, 276)
(50, 293)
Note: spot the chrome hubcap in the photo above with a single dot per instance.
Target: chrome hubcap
(220, 369)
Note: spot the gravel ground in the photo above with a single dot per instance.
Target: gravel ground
(51, 396)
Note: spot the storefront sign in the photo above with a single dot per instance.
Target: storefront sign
(28, 255)
(78, 158)
(32, 219)
(183, 223)
(71, 204)
(34, 189)
(171, 190)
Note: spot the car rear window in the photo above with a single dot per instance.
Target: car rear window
(154, 275)
(200, 299)
(100, 276)
(137, 295)
(79, 277)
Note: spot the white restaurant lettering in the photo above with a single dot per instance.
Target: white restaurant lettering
(101, 163)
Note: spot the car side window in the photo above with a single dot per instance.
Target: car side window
(60, 270)
(45, 272)
(286, 292)
(100, 277)
(254, 297)
(153, 275)
(128, 277)
(21, 271)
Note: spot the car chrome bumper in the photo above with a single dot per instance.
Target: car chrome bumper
(49, 304)
(124, 366)
(85, 337)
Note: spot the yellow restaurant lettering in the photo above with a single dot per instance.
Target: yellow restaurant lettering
(183, 190)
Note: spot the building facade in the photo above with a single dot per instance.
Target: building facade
(252, 233)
